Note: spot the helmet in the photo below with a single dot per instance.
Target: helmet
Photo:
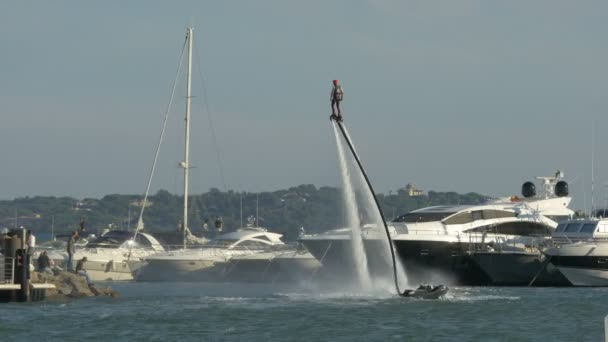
(335, 82)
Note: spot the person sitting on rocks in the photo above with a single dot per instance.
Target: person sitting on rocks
(80, 270)
(44, 264)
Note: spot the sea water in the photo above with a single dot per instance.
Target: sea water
(248, 312)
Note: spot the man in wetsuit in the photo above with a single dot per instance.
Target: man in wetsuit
(336, 96)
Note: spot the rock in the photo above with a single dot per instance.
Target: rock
(70, 285)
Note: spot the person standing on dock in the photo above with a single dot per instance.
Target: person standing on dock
(31, 243)
(71, 250)
(336, 96)
(80, 270)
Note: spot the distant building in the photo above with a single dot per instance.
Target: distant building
(411, 190)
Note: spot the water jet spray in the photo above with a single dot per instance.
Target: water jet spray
(340, 124)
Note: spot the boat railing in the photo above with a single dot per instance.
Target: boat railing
(479, 242)
(8, 270)
(113, 246)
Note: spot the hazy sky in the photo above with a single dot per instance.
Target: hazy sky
(451, 95)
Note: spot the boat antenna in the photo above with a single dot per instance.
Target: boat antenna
(185, 164)
(592, 169)
(371, 189)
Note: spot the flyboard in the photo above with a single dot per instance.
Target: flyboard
(422, 292)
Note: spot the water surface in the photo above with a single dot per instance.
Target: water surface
(238, 312)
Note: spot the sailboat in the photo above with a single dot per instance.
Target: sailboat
(190, 263)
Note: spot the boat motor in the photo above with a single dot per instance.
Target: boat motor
(528, 189)
(561, 189)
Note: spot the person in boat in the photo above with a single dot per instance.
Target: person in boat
(71, 249)
(44, 264)
(336, 96)
(80, 270)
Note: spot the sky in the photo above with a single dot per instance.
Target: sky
(449, 95)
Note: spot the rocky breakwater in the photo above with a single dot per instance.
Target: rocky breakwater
(69, 285)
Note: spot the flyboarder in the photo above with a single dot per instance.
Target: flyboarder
(336, 96)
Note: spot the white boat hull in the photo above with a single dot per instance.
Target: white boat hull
(111, 266)
(585, 277)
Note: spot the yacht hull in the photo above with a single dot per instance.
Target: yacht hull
(180, 270)
(104, 270)
(443, 262)
(584, 264)
(519, 269)
(585, 276)
(272, 268)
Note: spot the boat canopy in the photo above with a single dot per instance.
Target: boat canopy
(118, 238)
(247, 238)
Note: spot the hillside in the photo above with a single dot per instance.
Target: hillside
(283, 211)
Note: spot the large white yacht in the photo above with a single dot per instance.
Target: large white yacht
(115, 255)
(580, 251)
(434, 243)
(208, 262)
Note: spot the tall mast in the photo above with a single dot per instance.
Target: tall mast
(186, 163)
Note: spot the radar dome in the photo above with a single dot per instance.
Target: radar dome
(561, 189)
(528, 189)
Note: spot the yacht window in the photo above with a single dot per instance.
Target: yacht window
(477, 215)
(223, 242)
(503, 213)
(588, 228)
(489, 214)
(262, 237)
(515, 228)
(112, 239)
(573, 228)
(560, 227)
(251, 244)
(461, 218)
(143, 241)
(422, 217)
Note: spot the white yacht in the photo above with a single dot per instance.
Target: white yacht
(115, 255)
(434, 243)
(580, 251)
(208, 262)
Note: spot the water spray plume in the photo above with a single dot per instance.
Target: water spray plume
(352, 218)
(352, 209)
